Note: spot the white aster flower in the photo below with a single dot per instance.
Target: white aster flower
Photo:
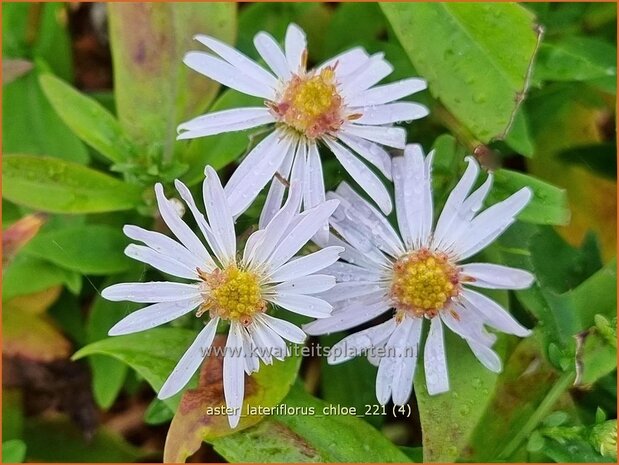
(336, 104)
(224, 287)
(417, 274)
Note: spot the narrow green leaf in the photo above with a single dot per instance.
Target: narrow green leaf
(476, 57)
(460, 409)
(153, 354)
(13, 451)
(154, 90)
(27, 275)
(308, 433)
(87, 119)
(549, 203)
(576, 59)
(30, 125)
(88, 249)
(57, 186)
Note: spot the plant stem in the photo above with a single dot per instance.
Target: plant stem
(542, 411)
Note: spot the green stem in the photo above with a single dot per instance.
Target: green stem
(542, 411)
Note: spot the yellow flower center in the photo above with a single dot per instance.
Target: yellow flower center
(311, 104)
(232, 294)
(423, 282)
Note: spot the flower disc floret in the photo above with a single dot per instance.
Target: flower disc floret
(311, 104)
(423, 282)
(232, 294)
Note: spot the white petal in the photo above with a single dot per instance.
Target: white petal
(345, 272)
(271, 236)
(151, 292)
(351, 255)
(375, 70)
(251, 246)
(273, 202)
(434, 361)
(396, 360)
(190, 361)
(163, 244)
(312, 284)
(153, 316)
(219, 122)
(391, 113)
(180, 229)
(348, 318)
(226, 74)
(453, 206)
(486, 356)
(295, 45)
(272, 54)
(302, 232)
(307, 264)
(494, 315)
(251, 359)
(368, 181)
(314, 187)
(467, 324)
(403, 382)
(347, 226)
(491, 223)
(371, 221)
(372, 152)
(387, 92)
(353, 345)
(385, 135)
(284, 328)
(417, 196)
(160, 261)
(347, 62)
(349, 290)
(255, 171)
(244, 64)
(234, 373)
(262, 337)
(497, 276)
(219, 216)
(474, 202)
(271, 343)
(207, 233)
(302, 304)
(399, 184)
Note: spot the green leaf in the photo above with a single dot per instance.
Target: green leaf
(519, 137)
(26, 275)
(13, 451)
(157, 412)
(601, 159)
(337, 389)
(87, 119)
(460, 409)
(154, 90)
(108, 374)
(31, 126)
(58, 186)
(476, 57)
(153, 354)
(576, 59)
(369, 25)
(549, 203)
(195, 421)
(573, 451)
(88, 249)
(308, 433)
(59, 440)
(221, 149)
